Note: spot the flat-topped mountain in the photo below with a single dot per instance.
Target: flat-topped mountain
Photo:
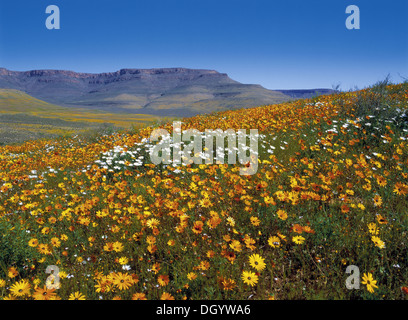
(160, 91)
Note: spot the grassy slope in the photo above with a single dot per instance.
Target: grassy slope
(23, 117)
(330, 191)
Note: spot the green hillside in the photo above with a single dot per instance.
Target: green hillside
(23, 117)
(14, 101)
(329, 195)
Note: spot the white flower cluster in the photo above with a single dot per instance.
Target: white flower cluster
(120, 157)
(180, 148)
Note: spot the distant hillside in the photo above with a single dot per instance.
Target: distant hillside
(23, 117)
(164, 92)
(16, 102)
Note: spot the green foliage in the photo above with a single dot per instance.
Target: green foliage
(14, 250)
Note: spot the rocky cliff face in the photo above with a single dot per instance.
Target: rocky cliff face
(175, 73)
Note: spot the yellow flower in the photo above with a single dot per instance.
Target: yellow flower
(152, 223)
(151, 239)
(231, 221)
(372, 228)
(76, 296)
(377, 200)
(249, 278)
(255, 221)
(20, 288)
(269, 200)
(55, 242)
(118, 246)
(156, 268)
(361, 206)
(191, 276)
(249, 242)
(12, 272)
(298, 239)
(274, 241)
(122, 281)
(235, 245)
(369, 281)
(257, 262)
(282, 214)
(378, 242)
(123, 260)
(33, 242)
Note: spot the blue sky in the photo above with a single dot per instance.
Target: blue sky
(287, 44)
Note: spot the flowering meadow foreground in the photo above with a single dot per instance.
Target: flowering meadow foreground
(330, 191)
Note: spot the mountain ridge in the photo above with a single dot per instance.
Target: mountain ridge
(158, 91)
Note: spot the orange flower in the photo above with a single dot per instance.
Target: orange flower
(152, 248)
(345, 208)
(198, 227)
(400, 189)
(163, 280)
(44, 294)
(166, 296)
(297, 228)
(381, 219)
(139, 296)
(12, 272)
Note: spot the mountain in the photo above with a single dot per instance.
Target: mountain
(160, 91)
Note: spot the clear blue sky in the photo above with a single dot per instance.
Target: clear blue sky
(279, 44)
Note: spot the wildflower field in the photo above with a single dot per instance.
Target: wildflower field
(82, 219)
